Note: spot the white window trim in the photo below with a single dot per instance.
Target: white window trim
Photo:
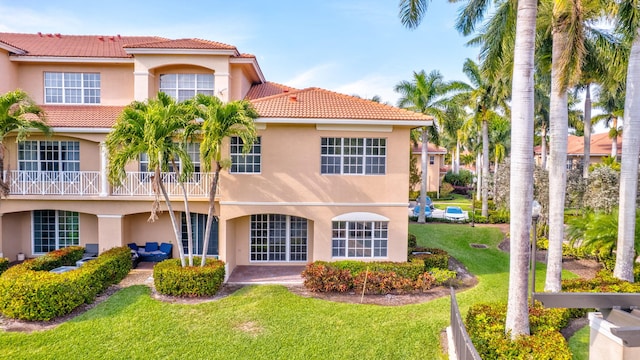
(356, 218)
(33, 238)
(195, 88)
(364, 157)
(82, 88)
(258, 154)
(288, 244)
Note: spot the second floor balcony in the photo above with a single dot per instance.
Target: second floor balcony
(94, 183)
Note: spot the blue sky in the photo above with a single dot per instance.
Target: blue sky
(357, 47)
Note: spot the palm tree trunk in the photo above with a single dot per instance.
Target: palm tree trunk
(187, 214)
(478, 177)
(586, 160)
(456, 168)
(629, 168)
(521, 189)
(174, 221)
(543, 146)
(423, 182)
(485, 168)
(4, 187)
(213, 189)
(614, 139)
(559, 125)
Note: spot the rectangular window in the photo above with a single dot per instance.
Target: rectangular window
(359, 239)
(249, 163)
(71, 88)
(278, 238)
(363, 156)
(55, 229)
(58, 159)
(432, 159)
(198, 226)
(185, 86)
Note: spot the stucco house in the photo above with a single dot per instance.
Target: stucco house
(326, 180)
(436, 166)
(601, 146)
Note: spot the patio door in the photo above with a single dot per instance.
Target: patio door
(278, 238)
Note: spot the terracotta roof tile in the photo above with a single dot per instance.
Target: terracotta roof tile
(431, 148)
(267, 89)
(325, 104)
(83, 116)
(74, 45)
(245, 55)
(181, 44)
(600, 145)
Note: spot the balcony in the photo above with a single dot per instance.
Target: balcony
(90, 183)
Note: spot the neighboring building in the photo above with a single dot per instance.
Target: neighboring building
(601, 146)
(327, 179)
(435, 165)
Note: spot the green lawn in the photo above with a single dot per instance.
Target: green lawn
(268, 322)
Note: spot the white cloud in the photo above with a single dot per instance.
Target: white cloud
(371, 85)
(314, 76)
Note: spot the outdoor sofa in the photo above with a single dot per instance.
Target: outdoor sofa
(151, 251)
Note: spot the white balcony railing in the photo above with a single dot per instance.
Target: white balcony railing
(139, 184)
(54, 182)
(89, 183)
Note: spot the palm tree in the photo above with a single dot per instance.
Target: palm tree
(611, 102)
(629, 25)
(220, 121)
(426, 94)
(20, 114)
(521, 192)
(484, 98)
(152, 127)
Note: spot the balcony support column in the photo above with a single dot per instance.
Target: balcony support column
(104, 183)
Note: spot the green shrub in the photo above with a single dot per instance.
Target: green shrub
(499, 217)
(445, 189)
(412, 241)
(51, 260)
(432, 257)
(170, 278)
(463, 178)
(379, 282)
(409, 270)
(485, 324)
(602, 282)
(30, 294)
(444, 277)
(4, 264)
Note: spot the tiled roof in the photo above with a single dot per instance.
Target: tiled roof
(600, 145)
(74, 45)
(431, 148)
(245, 55)
(267, 89)
(315, 103)
(82, 116)
(181, 44)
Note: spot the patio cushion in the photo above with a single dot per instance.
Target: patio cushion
(133, 246)
(151, 246)
(166, 248)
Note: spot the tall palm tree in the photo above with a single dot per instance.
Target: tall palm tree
(154, 127)
(521, 192)
(484, 99)
(19, 114)
(220, 121)
(611, 102)
(629, 25)
(426, 94)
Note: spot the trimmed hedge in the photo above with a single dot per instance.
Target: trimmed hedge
(4, 265)
(170, 278)
(28, 291)
(436, 258)
(381, 277)
(485, 324)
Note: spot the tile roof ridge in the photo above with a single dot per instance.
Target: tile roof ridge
(211, 42)
(291, 92)
(158, 40)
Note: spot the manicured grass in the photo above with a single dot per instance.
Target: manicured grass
(579, 344)
(269, 322)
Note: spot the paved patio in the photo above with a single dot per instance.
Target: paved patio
(241, 275)
(257, 274)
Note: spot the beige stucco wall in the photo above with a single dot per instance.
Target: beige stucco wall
(239, 82)
(433, 171)
(8, 73)
(16, 234)
(116, 80)
(291, 170)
